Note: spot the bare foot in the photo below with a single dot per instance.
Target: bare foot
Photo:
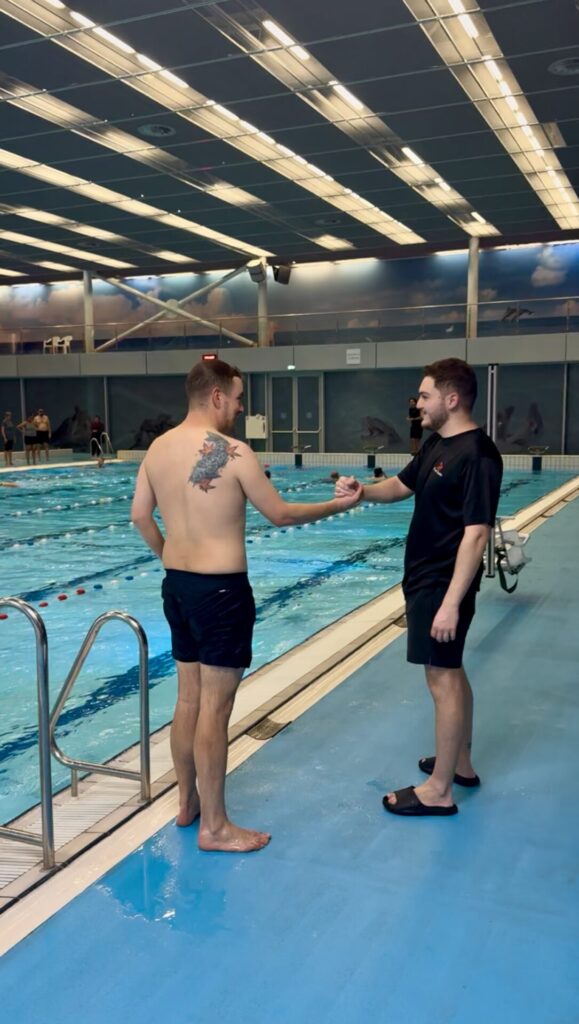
(189, 810)
(232, 839)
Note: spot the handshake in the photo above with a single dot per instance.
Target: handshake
(348, 491)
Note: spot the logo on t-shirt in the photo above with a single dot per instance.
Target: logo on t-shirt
(438, 468)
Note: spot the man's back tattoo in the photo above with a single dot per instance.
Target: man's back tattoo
(215, 454)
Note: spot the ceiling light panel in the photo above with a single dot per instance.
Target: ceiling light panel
(311, 82)
(479, 65)
(143, 74)
(55, 220)
(40, 243)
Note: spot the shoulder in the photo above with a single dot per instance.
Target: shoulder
(485, 447)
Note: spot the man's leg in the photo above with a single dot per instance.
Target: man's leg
(182, 740)
(216, 832)
(452, 698)
(46, 451)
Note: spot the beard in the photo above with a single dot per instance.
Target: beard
(436, 420)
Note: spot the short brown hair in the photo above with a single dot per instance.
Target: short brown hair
(454, 375)
(206, 375)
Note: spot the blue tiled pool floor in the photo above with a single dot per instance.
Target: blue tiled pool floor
(351, 915)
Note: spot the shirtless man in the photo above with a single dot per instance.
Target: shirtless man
(200, 478)
(43, 432)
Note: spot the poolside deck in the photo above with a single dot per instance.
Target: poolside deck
(351, 915)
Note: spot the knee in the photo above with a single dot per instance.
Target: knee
(443, 681)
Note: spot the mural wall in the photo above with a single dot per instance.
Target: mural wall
(361, 300)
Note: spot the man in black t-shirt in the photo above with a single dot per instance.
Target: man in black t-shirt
(455, 478)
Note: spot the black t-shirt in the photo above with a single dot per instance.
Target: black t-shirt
(456, 482)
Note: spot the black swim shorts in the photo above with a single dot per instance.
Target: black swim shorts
(421, 608)
(211, 617)
(9, 446)
(42, 437)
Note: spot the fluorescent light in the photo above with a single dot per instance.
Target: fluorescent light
(151, 64)
(249, 127)
(457, 6)
(223, 110)
(56, 3)
(285, 39)
(331, 242)
(494, 69)
(85, 22)
(284, 149)
(11, 273)
(468, 25)
(114, 40)
(412, 156)
(55, 266)
(477, 216)
(278, 32)
(266, 138)
(443, 184)
(172, 257)
(349, 97)
(174, 79)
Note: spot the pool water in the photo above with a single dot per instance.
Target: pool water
(68, 530)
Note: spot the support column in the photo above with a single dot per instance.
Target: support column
(472, 289)
(88, 311)
(262, 317)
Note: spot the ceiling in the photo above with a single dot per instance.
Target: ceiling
(84, 103)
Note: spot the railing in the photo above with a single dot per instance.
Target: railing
(46, 839)
(76, 765)
(102, 447)
(557, 314)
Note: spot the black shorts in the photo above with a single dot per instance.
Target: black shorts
(421, 608)
(29, 442)
(416, 431)
(211, 617)
(9, 446)
(42, 437)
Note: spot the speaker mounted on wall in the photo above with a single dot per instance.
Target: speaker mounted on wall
(282, 273)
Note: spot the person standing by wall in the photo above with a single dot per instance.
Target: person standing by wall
(28, 429)
(43, 433)
(455, 478)
(415, 420)
(8, 434)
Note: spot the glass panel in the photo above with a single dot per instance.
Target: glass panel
(257, 392)
(282, 442)
(311, 440)
(308, 403)
(281, 404)
(572, 443)
(529, 403)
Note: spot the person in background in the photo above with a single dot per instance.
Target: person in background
(8, 432)
(28, 429)
(377, 475)
(43, 433)
(415, 420)
(201, 478)
(455, 479)
(268, 473)
(97, 428)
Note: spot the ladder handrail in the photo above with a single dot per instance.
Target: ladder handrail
(46, 839)
(100, 450)
(76, 765)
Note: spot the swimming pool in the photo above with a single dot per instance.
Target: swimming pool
(67, 532)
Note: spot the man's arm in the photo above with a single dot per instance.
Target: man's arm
(264, 497)
(383, 492)
(144, 504)
(468, 560)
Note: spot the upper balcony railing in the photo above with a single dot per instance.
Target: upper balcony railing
(557, 315)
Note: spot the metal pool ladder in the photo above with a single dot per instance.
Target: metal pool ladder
(46, 839)
(47, 723)
(144, 775)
